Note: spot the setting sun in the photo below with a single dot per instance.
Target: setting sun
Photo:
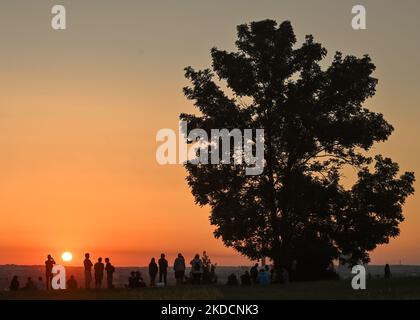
(67, 256)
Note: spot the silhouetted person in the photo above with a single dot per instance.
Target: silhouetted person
(387, 271)
(179, 268)
(135, 280)
(254, 273)
(263, 277)
(30, 285)
(232, 280)
(99, 273)
(49, 264)
(131, 280)
(196, 269)
(153, 270)
(40, 284)
(14, 285)
(163, 269)
(246, 279)
(110, 269)
(88, 270)
(213, 275)
(71, 283)
(139, 282)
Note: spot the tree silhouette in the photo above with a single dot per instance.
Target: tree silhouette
(298, 209)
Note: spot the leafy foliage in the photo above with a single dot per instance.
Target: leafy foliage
(315, 126)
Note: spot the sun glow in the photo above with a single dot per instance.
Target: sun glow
(67, 256)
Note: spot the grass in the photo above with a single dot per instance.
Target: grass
(397, 288)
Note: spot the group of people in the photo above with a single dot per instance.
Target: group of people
(30, 284)
(49, 265)
(202, 271)
(255, 276)
(99, 269)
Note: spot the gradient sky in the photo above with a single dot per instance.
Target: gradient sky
(80, 108)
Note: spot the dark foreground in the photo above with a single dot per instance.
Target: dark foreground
(398, 288)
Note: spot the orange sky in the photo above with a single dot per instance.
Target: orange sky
(80, 108)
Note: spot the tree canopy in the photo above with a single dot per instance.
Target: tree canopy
(315, 126)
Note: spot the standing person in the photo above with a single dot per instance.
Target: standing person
(99, 273)
(14, 285)
(49, 264)
(206, 266)
(153, 270)
(88, 268)
(254, 273)
(163, 269)
(110, 269)
(131, 280)
(263, 277)
(232, 280)
(246, 279)
(179, 268)
(387, 271)
(196, 269)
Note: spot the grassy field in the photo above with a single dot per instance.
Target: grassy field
(398, 288)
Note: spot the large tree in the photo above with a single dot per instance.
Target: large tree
(298, 209)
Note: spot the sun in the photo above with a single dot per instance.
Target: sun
(67, 256)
